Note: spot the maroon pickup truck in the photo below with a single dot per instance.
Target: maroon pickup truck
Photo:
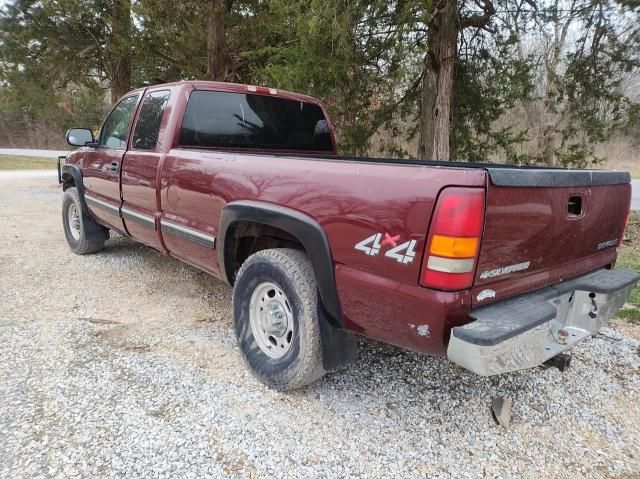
(498, 267)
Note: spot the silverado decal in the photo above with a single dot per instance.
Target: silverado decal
(492, 273)
(403, 253)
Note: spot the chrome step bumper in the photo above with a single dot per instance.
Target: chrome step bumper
(525, 331)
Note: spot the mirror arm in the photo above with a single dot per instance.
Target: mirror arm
(91, 144)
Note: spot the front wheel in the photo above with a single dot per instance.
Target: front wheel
(275, 315)
(75, 225)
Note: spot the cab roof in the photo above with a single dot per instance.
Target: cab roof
(237, 88)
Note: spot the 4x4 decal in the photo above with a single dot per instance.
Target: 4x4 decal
(403, 253)
(374, 241)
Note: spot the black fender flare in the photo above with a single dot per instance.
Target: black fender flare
(299, 225)
(338, 345)
(74, 173)
(93, 230)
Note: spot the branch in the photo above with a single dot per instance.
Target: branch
(481, 20)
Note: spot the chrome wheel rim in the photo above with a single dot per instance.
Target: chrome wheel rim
(271, 319)
(73, 218)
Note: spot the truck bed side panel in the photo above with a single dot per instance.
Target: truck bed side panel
(350, 200)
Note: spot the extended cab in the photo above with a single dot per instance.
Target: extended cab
(498, 267)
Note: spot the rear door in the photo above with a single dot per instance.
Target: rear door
(101, 174)
(536, 235)
(140, 207)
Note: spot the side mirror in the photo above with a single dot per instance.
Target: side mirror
(79, 136)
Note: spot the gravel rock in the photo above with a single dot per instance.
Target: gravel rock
(123, 364)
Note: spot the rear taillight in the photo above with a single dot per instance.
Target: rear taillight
(454, 239)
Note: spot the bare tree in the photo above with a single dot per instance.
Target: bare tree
(580, 52)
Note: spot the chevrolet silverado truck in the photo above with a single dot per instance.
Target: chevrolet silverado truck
(498, 267)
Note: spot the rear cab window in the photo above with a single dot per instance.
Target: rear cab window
(228, 120)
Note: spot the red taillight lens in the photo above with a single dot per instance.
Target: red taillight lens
(454, 239)
(459, 213)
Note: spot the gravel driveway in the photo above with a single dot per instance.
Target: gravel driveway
(124, 364)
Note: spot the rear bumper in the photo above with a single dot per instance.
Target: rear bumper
(525, 331)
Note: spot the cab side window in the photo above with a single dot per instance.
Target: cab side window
(147, 129)
(115, 130)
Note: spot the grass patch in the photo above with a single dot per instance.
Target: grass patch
(630, 314)
(10, 162)
(629, 257)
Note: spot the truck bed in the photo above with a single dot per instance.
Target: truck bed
(501, 174)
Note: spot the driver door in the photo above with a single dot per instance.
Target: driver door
(101, 172)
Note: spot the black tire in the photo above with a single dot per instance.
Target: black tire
(80, 245)
(292, 272)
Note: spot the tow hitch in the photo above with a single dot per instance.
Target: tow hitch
(561, 361)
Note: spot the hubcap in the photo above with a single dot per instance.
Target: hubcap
(74, 221)
(271, 319)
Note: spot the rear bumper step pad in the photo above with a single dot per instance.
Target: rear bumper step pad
(525, 331)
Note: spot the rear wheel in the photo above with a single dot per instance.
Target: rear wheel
(275, 314)
(75, 224)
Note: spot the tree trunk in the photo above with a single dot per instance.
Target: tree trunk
(217, 67)
(437, 85)
(120, 48)
(427, 105)
(448, 49)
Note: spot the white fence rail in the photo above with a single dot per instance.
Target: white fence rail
(24, 152)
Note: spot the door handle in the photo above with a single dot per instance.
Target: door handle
(114, 166)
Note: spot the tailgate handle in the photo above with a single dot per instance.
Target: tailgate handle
(574, 206)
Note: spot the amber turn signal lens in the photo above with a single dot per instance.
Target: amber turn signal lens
(451, 247)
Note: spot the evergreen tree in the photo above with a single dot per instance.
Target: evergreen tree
(523, 81)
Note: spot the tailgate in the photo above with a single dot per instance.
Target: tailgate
(545, 226)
